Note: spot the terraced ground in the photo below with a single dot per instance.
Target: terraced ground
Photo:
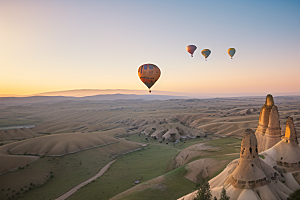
(73, 140)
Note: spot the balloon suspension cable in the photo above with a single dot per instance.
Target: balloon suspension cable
(149, 91)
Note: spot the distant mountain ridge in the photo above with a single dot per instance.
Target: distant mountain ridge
(155, 93)
(93, 92)
(101, 97)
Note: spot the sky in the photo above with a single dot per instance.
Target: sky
(55, 45)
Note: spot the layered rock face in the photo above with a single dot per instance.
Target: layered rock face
(268, 132)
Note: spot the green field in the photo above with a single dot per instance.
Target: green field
(50, 177)
(148, 164)
(67, 172)
(173, 186)
(137, 166)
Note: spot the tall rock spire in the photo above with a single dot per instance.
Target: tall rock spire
(265, 112)
(290, 132)
(268, 132)
(248, 173)
(269, 100)
(273, 132)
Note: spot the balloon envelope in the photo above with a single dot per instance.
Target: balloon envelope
(231, 52)
(191, 49)
(205, 52)
(149, 74)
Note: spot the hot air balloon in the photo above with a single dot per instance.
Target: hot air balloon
(149, 74)
(205, 53)
(231, 52)
(191, 49)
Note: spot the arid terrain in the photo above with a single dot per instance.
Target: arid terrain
(51, 145)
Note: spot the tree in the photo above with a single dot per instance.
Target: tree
(223, 195)
(295, 195)
(204, 192)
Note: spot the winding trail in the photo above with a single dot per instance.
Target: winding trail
(73, 190)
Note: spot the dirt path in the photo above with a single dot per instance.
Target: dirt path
(73, 190)
(229, 154)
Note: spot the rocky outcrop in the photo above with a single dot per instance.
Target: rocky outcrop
(172, 135)
(290, 132)
(251, 177)
(268, 132)
(159, 133)
(286, 153)
(249, 172)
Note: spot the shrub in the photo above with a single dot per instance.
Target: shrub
(204, 192)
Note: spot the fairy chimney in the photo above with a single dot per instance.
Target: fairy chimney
(248, 173)
(268, 132)
(290, 132)
(252, 177)
(273, 132)
(265, 111)
(287, 152)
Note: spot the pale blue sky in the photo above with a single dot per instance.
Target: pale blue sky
(63, 45)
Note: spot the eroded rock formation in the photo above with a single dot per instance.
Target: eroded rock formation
(286, 153)
(249, 166)
(252, 177)
(171, 135)
(268, 132)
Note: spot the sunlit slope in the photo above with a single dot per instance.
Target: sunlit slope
(223, 125)
(192, 152)
(201, 169)
(20, 133)
(20, 153)
(59, 144)
(53, 128)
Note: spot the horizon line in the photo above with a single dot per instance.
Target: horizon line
(145, 92)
